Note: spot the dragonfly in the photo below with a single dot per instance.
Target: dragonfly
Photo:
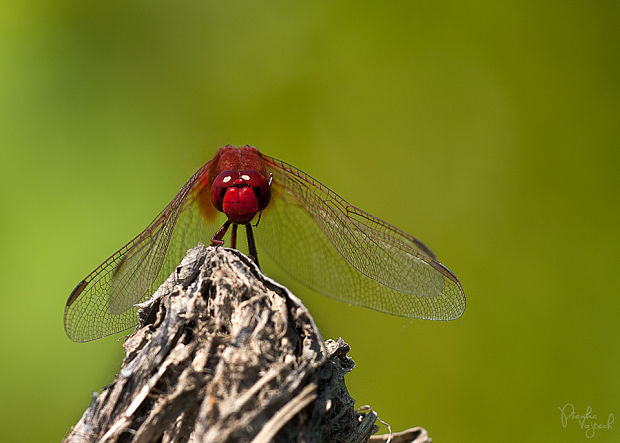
(323, 241)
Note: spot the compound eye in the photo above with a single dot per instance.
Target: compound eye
(259, 185)
(222, 182)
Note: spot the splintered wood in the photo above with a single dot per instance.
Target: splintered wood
(224, 354)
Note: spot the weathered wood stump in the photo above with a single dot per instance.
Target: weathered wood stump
(225, 354)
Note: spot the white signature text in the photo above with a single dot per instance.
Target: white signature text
(587, 421)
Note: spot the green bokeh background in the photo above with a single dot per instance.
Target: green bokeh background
(487, 129)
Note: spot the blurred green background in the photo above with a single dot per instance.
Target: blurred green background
(489, 130)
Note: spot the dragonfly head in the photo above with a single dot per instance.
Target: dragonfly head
(240, 194)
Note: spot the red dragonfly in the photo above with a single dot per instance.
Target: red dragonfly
(329, 245)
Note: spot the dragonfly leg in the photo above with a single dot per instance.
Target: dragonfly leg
(251, 245)
(258, 221)
(216, 240)
(233, 236)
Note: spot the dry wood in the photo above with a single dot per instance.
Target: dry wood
(225, 354)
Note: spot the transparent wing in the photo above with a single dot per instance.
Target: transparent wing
(103, 303)
(347, 254)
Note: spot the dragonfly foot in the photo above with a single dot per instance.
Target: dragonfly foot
(216, 243)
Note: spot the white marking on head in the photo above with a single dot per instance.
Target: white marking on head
(227, 179)
(245, 177)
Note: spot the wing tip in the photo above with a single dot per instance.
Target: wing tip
(447, 273)
(76, 292)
